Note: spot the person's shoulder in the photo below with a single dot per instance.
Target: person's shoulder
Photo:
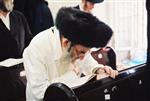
(45, 7)
(42, 43)
(42, 36)
(42, 4)
(17, 13)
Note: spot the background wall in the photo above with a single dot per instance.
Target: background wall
(54, 5)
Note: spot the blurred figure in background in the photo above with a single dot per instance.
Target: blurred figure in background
(88, 5)
(15, 34)
(37, 13)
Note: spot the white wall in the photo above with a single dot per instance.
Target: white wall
(54, 5)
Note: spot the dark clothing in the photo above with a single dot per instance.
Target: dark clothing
(43, 18)
(37, 13)
(12, 86)
(108, 57)
(19, 5)
(77, 7)
(13, 41)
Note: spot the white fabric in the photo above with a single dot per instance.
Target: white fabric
(40, 61)
(81, 7)
(6, 20)
(88, 64)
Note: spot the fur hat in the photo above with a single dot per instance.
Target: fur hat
(82, 28)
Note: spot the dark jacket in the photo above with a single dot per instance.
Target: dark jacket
(43, 18)
(37, 13)
(13, 41)
(77, 7)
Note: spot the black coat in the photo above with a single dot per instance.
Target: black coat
(43, 18)
(77, 7)
(13, 41)
(37, 13)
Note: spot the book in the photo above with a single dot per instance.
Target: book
(80, 81)
(10, 62)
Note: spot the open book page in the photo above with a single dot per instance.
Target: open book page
(80, 81)
(72, 80)
(10, 62)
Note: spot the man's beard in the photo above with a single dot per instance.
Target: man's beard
(64, 62)
(8, 5)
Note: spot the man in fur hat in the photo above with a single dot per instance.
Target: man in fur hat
(56, 55)
(88, 5)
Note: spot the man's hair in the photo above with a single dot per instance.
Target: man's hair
(82, 28)
(6, 5)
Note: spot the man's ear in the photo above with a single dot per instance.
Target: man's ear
(65, 42)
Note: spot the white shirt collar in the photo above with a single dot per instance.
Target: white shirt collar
(6, 20)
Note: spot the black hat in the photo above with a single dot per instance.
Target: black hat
(82, 28)
(95, 1)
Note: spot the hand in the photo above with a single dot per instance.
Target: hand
(88, 64)
(108, 70)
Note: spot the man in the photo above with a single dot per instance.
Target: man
(88, 5)
(52, 58)
(15, 34)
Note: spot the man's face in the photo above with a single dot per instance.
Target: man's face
(88, 6)
(8, 4)
(76, 51)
